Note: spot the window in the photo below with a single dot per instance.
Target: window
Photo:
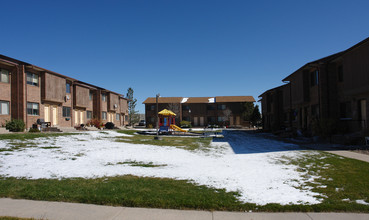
(315, 110)
(4, 76)
(221, 107)
(89, 114)
(220, 119)
(345, 110)
(185, 107)
(32, 79)
(126, 118)
(117, 117)
(33, 108)
(185, 118)
(152, 107)
(68, 87)
(91, 95)
(103, 97)
(314, 78)
(104, 115)
(4, 108)
(66, 111)
(211, 120)
(340, 73)
(210, 107)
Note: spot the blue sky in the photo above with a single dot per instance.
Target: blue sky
(178, 47)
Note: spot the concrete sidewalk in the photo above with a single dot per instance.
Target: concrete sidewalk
(350, 154)
(62, 210)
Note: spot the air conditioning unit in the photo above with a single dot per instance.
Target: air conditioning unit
(115, 106)
(67, 97)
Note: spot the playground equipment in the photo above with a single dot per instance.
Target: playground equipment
(167, 121)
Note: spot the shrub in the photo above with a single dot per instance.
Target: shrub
(15, 125)
(109, 125)
(34, 130)
(150, 126)
(186, 124)
(95, 122)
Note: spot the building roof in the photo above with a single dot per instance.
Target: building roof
(167, 112)
(234, 99)
(152, 100)
(275, 88)
(191, 100)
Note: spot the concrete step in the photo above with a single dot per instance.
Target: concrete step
(4, 131)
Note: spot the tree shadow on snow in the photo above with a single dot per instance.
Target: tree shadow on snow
(248, 143)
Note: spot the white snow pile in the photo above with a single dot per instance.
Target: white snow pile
(184, 100)
(241, 162)
(211, 100)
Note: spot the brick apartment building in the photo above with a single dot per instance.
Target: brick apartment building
(200, 111)
(29, 92)
(335, 87)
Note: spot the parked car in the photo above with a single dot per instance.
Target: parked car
(142, 123)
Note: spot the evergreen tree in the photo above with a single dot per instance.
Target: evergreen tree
(132, 113)
(255, 117)
(247, 109)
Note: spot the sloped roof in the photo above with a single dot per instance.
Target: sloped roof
(167, 112)
(234, 99)
(152, 100)
(198, 100)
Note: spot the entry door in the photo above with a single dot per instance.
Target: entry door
(231, 120)
(55, 115)
(81, 118)
(363, 113)
(47, 113)
(201, 121)
(238, 121)
(195, 121)
(76, 117)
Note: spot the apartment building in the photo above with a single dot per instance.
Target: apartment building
(29, 92)
(200, 111)
(335, 87)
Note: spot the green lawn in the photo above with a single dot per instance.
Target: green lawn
(188, 143)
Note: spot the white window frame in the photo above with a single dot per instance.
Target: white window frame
(7, 107)
(5, 73)
(117, 117)
(104, 115)
(88, 114)
(103, 97)
(33, 104)
(32, 79)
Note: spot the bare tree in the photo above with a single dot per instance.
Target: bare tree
(227, 114)
(174, 107)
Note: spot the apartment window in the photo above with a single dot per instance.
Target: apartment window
(66, 111)
(314, 78)
(185, 107)
(89, 114)
(32, 79)
(4, 108)
(67, 87)
(91, 95)
(33, 108)
(345, 110)
(221, 107)
(315, 110)
(152, 107)
(104, 115)
(220, 119)
(340, 73)
(103, 97)
(211, 120)
(126, 118)
(4, 76)
(210, 107)
(117, 117)
(185, 118)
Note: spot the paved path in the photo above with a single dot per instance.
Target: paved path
(350, 154)
(62, 210)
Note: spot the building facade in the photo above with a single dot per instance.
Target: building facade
(29, 92)
(334, 88)
(200, 111)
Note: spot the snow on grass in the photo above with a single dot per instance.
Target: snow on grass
(240, 162)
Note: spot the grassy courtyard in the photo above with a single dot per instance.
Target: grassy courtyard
(342, 183)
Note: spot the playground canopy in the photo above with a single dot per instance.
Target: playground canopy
(167, 112)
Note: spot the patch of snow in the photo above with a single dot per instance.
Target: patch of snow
(211, 100)
(184, 100)
(346, 200)
(239, 162)
(322, 186)
(339, 189)
(362, 202)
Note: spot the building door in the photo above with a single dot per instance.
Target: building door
(195, 121)
(238, 121)
(363, 113)
(201, 121)
(231, 121)
(81, 118)
(55, 115)
(47, 113)
(76, 117)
